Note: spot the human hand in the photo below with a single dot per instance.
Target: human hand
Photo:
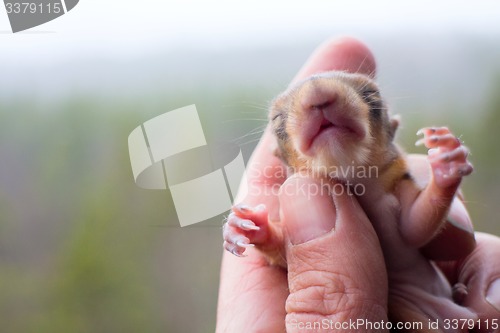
(338, 275)
(336, 270)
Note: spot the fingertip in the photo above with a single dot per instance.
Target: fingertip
(345, 201)
(342, 53)
(480, 274)
(306, 209)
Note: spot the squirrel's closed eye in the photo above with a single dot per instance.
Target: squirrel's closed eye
(368, 95)
(276, 116)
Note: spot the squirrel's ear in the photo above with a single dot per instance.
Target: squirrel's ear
(276, 149)
(394, 124)
(277, 153)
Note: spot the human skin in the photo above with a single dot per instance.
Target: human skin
(336, 270)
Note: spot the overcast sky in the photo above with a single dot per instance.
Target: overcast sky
(121, 28)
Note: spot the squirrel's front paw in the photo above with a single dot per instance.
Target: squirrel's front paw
(447, 155)
(245, 227)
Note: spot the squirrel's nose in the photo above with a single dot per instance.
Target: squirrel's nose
(318, 97)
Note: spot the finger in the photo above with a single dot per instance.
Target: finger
(428, 131)
(265, 174)
(336, 268)
(479, 273)
(342, 53)
(246, 225)
(238, 249)
(252, 295)
(444, 142)
(459, 154)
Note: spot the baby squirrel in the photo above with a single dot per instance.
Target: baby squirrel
(336, 125)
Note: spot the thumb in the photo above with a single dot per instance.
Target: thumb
(336, 270)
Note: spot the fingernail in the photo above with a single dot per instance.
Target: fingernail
(244, 244)
(493, 294)
(243, 208)
(259, 208)
(306, 209)
(420, 142)
(249, 225)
